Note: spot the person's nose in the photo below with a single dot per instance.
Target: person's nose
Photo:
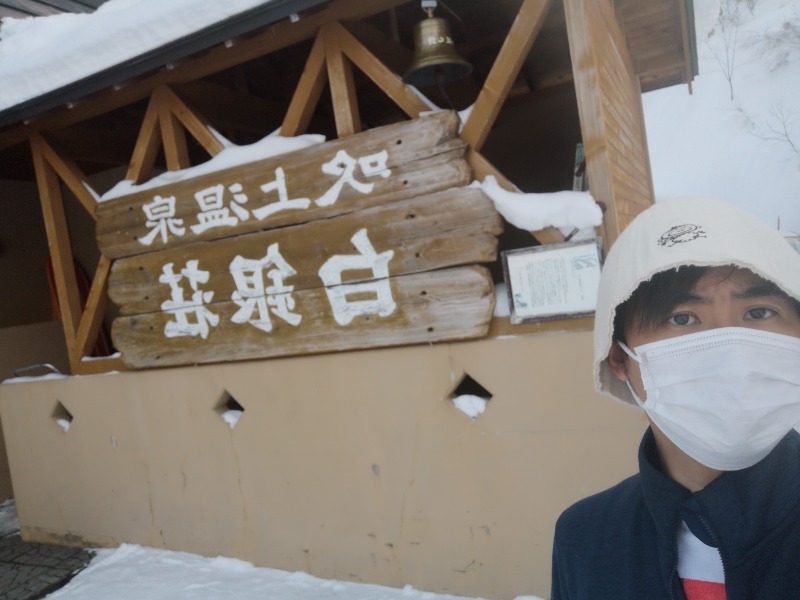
(724, 316)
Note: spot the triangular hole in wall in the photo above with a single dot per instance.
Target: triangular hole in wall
(470, 397)
(62, 416)
(229, 409)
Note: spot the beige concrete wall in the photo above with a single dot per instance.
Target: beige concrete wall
(23, 346)
(351, 465)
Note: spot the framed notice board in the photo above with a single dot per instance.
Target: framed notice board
(553, 281)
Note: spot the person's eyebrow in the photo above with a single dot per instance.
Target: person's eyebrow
(760, 291)
(689, 298)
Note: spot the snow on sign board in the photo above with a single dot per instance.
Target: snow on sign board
(366, 241)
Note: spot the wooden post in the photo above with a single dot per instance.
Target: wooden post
(147, 145)
(194, 123)
(93, 313)
(81, 325)
(55, 222)
(340, 79)
(610, 108)
(506, 67)
(173, 137)
(306, 94)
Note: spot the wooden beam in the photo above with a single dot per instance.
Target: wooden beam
(72, 176)
(389, 52)
(95, 366)
(342, 85)
(173, 136)
(506, 67)
(55, 222)
(147, 146)
(687, 54)
(194, 123)
(610, 109)
(307, 93)
(382, 76)
(94, 311)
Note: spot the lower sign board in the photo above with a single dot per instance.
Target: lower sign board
(434, 306)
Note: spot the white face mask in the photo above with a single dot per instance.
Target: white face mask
(725, 396)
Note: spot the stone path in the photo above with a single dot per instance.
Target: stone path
(30, 571)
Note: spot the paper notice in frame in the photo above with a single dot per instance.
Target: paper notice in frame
(553, 281)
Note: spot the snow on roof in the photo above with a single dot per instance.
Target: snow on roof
(39, 55)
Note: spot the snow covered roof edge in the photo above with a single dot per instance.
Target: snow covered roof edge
(261, 16)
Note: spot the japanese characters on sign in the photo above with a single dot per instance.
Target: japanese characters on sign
(221, 206)
(262, 291)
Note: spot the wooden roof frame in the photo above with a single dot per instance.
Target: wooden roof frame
(602, 68)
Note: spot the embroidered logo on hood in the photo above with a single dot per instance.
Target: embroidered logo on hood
(680, 234)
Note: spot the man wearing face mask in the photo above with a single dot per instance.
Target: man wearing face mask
(697, 323)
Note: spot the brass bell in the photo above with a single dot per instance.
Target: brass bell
(435, 58)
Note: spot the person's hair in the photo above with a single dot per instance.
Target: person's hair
(653, 300)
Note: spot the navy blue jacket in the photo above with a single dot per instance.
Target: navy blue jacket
(621, 544)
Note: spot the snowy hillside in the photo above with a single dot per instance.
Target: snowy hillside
(744, 149)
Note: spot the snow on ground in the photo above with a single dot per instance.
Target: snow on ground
(134, 572)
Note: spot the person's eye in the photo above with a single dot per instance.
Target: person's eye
(758, 314)
(682, 319)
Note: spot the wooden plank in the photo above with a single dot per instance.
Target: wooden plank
(388, 81)
(609, 106)
(147, 146)
(506, 67)
(307, 93)
(502, 327)
(173, 139)
(55, 222)
(94, 311)
(417, 178)
(388, 51)
(194, 123)
(455, 227)
(428, 307)
(340, 80)
(397, 161)
(72, 177)
(94, 366)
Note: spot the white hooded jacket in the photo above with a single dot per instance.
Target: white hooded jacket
(683, 231)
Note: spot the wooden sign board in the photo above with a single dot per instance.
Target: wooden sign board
(380, 270)
(410, 309)
(381, 165)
